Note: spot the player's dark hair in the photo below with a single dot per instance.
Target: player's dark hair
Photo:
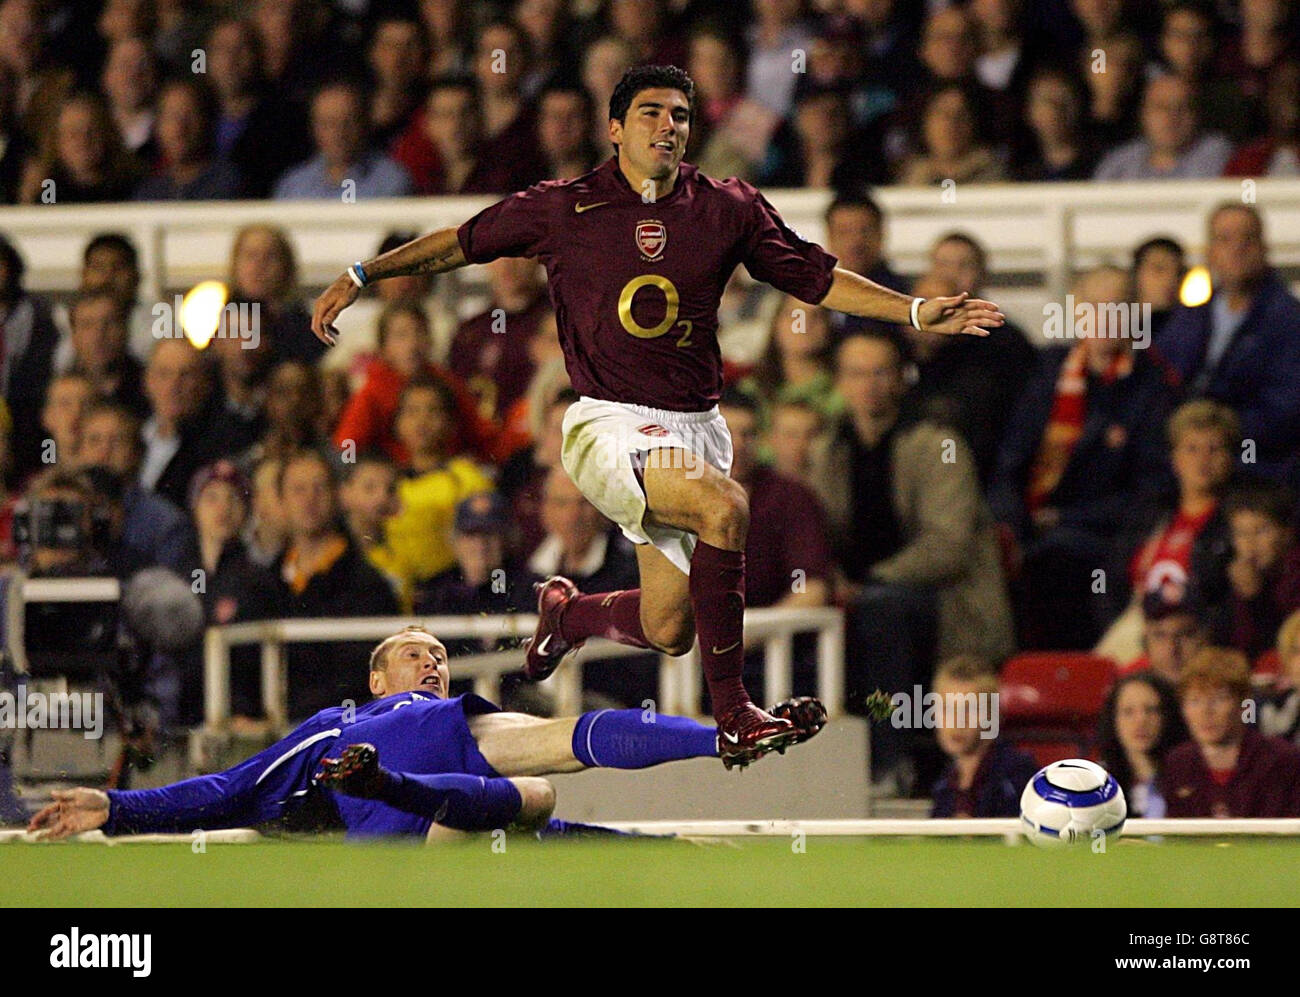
(855, 201)
(1160, 242)
(114, 241)
(1266, 498)
(1172, 731)
(640, 78)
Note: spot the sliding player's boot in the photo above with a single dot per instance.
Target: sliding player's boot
(546, 648)
(806, 713)
(747, 734)
(356, 772)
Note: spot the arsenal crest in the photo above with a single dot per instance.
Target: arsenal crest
(651, 237)
(652, 429)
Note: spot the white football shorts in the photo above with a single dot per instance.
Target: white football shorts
(606, 442)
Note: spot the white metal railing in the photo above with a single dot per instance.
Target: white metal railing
(1048, 228)
(21, 590)
(679, 677)
(1008, 828)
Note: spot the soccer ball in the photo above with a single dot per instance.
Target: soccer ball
(1071, 801)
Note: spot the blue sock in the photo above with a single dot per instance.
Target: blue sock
(463, 802)
(635, 739)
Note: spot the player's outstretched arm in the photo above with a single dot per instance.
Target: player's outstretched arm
(436, 252)
(73, 811)
(950, 316)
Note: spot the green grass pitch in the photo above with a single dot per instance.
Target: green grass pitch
(744, 871)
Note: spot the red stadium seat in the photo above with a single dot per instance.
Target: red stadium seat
(1045, 752)
(1050, 701)
(1054, 687)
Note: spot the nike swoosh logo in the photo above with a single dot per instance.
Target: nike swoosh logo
(724, 650)
(580, 208)
(541, 648)
(732, 738)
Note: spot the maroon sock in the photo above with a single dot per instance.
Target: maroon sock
(718, 598)
(615, 615)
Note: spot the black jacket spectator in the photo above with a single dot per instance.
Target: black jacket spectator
(972, 385)
(207, 436)
(325, 674)
(1257, 374)
(237, 592)
(28, 339)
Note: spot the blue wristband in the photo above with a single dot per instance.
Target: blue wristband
(358, 274)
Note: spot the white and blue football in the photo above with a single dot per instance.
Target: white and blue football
(1071, 801)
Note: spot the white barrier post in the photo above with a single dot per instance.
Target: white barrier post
(216, 678)
(275, 689)
(830, 666)
(778, 678)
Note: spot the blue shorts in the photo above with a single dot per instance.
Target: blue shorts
(427, 737)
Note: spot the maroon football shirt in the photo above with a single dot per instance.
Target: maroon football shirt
(636, 285)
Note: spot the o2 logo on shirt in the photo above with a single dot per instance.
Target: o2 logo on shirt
(651, 238)
(672, 301)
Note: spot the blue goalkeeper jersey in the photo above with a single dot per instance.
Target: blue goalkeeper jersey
(414, 732)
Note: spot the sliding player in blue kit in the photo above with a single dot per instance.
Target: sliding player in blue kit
(448, 764)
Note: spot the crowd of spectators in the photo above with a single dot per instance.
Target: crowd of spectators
(194, 100)
(962, 498)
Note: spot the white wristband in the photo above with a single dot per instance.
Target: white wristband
(352, 272)
(916, 313)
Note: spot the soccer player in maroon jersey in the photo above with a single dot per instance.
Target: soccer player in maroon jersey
(637, 253)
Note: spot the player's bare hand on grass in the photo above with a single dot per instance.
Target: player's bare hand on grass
(329, 305)
(73, 811)
(959, 315)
